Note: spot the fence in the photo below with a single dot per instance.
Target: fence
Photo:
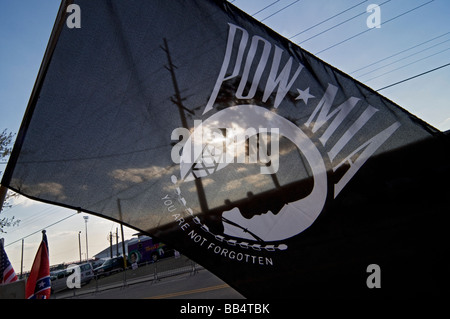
(153, 271)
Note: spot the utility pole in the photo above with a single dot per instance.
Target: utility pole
(86, 220)
(79, 243)
(117, 242)
(178, 101)
(110, 245)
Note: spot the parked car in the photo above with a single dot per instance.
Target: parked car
(87, 273)
(98, 262)
(110, 266)
(59, 278)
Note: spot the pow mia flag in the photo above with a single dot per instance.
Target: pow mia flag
(274, 170)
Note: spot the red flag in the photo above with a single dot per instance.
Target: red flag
(38, 283)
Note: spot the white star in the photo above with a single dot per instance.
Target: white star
(304, 95)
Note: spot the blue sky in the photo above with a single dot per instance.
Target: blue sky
(25, 27)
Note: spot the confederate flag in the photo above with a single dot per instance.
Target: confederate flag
(38, 283)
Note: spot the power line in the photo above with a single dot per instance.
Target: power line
(328, 19)
(413, 77)
(43, 214)
(404, 66)
(48, 226)
(279, 10)
(408, 56)
(367, 30)
(395, 54)
(383, 59)
(337, 25)
(266, 7)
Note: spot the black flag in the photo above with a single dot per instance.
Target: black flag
(274, 170)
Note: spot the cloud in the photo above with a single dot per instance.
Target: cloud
(40, 190)
(250, 182)
(54, 189)
(127, 176)
(139, 175)
(206, 181)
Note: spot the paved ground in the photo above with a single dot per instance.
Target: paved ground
(202, 285)
(169, 278)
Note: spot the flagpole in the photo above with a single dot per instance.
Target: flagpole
(21, 260)
(119, 206)
(3, 191)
